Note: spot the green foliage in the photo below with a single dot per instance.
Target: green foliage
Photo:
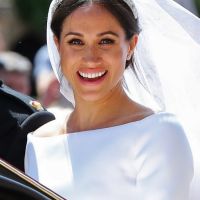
(197, 2)
(33, 13)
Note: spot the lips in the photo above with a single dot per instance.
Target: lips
(92, 76)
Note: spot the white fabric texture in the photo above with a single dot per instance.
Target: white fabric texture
(167, 57)
(131, 161)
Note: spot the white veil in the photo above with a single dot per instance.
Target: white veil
(169, 54)
(169, 47)
(168, 64)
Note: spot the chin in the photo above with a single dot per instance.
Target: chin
(92, 97)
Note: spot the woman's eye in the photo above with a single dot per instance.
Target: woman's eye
(107, 41)
(75, 42)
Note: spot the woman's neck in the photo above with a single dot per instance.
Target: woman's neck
(115, 109)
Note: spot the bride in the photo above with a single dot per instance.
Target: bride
(113, 62)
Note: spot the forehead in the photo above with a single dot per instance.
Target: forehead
(90, 15)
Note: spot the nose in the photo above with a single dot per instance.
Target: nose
(91, 56)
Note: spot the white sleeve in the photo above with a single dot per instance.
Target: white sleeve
(30, 161)
(166, 169)
(47, 161)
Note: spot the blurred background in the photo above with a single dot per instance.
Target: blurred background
(22, 28)
(23, 24)
(23, 31)
(24, 61)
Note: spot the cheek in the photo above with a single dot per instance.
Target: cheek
(119, 63)
(68, 62)
(67, 70)
(119, 57)
(66, 56)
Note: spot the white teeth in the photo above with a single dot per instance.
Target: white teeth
(92, 75)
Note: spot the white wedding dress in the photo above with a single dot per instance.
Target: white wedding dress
(148, 159)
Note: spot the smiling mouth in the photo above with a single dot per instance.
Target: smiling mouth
(92, 76)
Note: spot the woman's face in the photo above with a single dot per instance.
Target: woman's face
(93, 51)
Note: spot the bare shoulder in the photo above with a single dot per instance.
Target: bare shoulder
(52, 128)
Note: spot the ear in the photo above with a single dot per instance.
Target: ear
(132, 44)
(56, 41)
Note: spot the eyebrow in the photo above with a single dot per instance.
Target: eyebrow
(73, 33)
(108, 32)
(100, 34)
